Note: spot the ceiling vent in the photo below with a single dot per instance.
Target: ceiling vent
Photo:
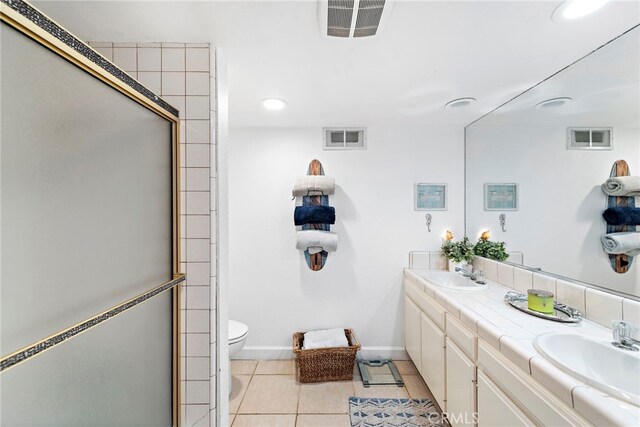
(353, 18)
(345, 138)
(589, 139)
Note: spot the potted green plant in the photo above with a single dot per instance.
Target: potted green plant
(460, 252)
(488, 249)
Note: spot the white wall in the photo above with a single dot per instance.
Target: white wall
(272, 290)
(559, 223)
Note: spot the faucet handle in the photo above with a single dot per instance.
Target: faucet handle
(622, 330)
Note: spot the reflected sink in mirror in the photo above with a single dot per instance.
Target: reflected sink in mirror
(449, 280)
(596, 362)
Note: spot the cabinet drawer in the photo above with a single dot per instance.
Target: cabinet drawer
(538, 404)
(428, 305)
(462, 336)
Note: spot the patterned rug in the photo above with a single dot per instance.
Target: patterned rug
(377, 412)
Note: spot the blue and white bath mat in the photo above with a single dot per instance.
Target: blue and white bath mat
(377, 412)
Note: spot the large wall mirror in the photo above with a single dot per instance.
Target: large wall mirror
(557, 222)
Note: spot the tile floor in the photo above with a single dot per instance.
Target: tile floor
(266, 393)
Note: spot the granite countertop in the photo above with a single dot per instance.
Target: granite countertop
(511, 332)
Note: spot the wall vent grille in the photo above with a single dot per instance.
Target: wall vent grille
(353, 18)
(589, 139)
(344, 138)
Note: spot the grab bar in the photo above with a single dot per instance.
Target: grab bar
(38, 347)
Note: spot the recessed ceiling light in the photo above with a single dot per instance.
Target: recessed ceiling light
(574, 9)
(273, 104)
(460, 102)
(553, 103)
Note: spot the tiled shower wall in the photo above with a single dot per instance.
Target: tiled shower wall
(184, 76)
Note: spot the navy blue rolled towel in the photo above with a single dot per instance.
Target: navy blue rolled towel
(622, 216)
(314, 215)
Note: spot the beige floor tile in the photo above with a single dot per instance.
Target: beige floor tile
(288, 420)
(232, 417)
(416, 387)
(271, 394)
(323, 420)
(276, 367)
(406, 367)
(325, 398)
(382, 391)
(243, 367)
(239, 384)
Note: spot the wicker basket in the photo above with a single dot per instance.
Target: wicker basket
(325, 364)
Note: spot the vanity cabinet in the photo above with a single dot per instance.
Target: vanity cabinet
(412, 338)
(461, 386)
(495, 409)
(432, 363)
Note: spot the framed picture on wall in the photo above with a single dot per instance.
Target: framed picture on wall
(430, 197)
(501, 197)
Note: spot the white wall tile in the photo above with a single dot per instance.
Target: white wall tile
(214, 261)
(100, 44)
(571, 294)
(125, 58)
(151, 80)
(149, 59)
(197, 179)
(437, 261)
(198, 250)
(198, 155)
(197, 368)
(213, 320)
(631, 313)
(197, 107)
(491, 269)
(173, 59)
(198, 274)
(505, 274)
(173, 83)
(197, 131)
(522, 280)
(197, 203)
(198, 392)
(198, 297)
(150, 44)
(546, 283)
(198, 227)
(195, 413)
(197, 345)
(197, 59)
(515, 257)
(213, 188)
(477, 263)
(419, 260)
(125, 44)
(178, 102)
(197, 321)
(198, 83)
(107, 52)
(603, 308)
(173, 44)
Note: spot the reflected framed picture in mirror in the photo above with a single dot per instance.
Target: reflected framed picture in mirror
(501, 197)
(430, 197)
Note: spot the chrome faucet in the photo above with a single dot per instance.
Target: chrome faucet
(623, 336)
(466, 272)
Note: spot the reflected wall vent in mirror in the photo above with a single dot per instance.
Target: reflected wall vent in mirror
(589, 139)
(345, 138)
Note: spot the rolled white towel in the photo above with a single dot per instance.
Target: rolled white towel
(314, 185)
(316, 241)
(325, 338)
(627, 243)
(622, 186)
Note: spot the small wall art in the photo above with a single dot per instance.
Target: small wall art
(430, 197)
(501, 197)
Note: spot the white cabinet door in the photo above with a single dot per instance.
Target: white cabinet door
(461, 387)
(433, 359)
(412, 331)
(495, 409)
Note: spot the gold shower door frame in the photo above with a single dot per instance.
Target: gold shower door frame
(22, 24)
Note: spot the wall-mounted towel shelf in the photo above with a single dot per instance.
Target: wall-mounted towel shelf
(620, 262)
(303, 187)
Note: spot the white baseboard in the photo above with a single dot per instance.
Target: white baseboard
(283, 353)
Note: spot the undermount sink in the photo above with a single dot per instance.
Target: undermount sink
(596, 362)
(449, 280)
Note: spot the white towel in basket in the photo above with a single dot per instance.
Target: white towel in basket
(325, 338)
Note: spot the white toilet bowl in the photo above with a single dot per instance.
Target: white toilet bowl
(238, 333)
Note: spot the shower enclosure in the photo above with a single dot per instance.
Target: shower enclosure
(89, 231)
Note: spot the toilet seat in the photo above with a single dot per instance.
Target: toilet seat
(237, 331)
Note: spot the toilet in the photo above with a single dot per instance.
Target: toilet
(238, 333)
